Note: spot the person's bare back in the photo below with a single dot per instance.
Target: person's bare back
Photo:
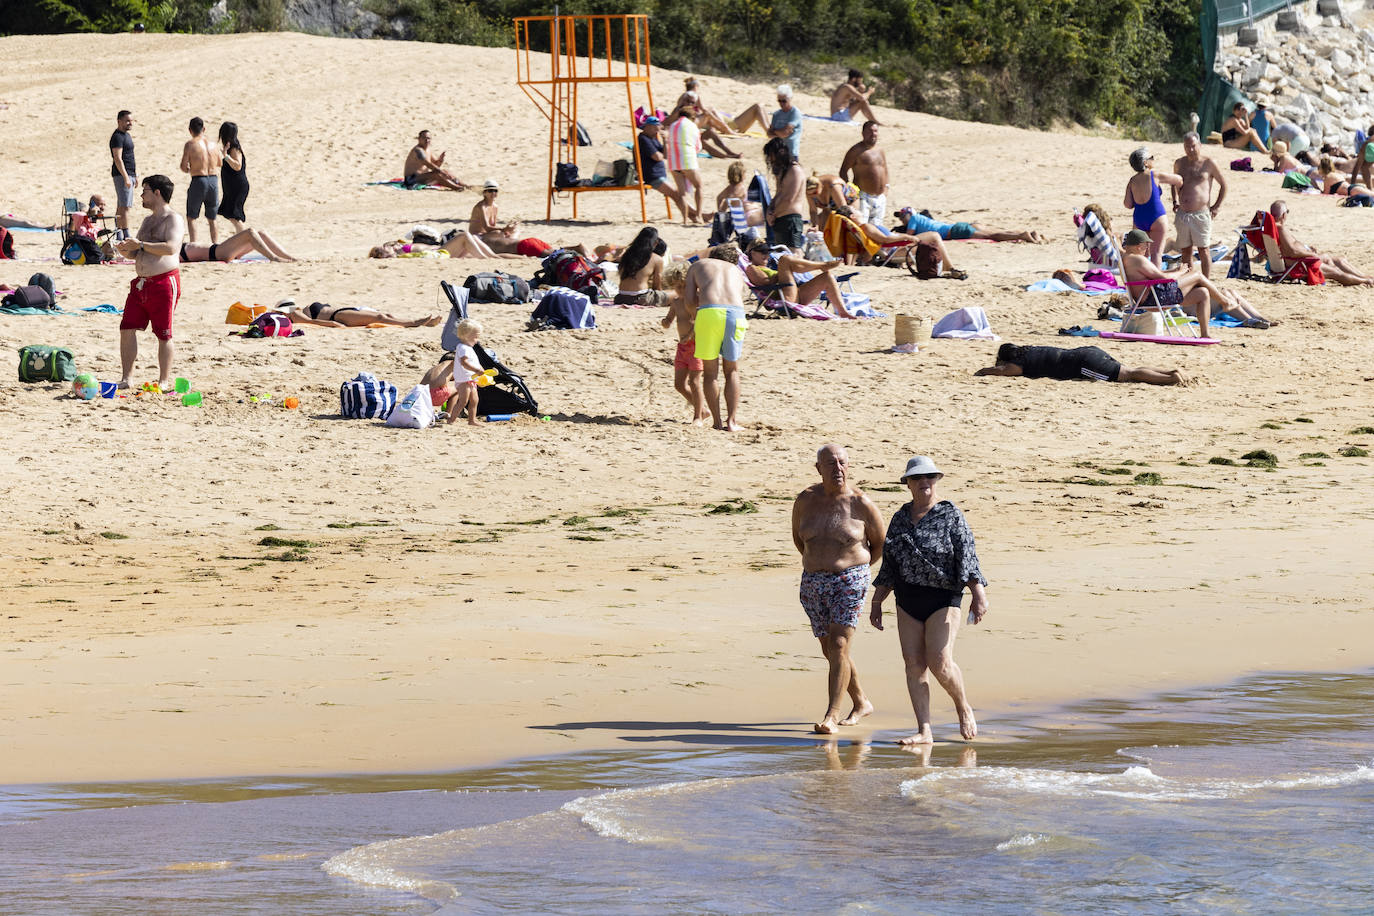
(199, 158)
(712, 282)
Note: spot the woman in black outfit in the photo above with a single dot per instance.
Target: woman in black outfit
(233, 176)
(928, 560)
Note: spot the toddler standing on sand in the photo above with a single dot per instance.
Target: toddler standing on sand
(466, 368)
(687, 369)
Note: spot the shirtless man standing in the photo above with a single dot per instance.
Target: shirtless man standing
(839, 533)
(201, 160)
(714, 298)
(153, 294)
(420, 169)
(789, 201)
(869, 165)
(850, 98)
(1193, 208)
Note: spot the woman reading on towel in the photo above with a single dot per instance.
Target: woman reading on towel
(1074, 364)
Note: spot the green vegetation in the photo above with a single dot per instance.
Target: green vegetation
(1221, 460)
(1362, 431)
(1260, 458)
(735, 506)
(1136, 63)
(1148, 479)
(1306, 455)
(1353, 451)
(273, 541)
(114, 536)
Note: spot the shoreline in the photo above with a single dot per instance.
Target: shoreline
(238, 588)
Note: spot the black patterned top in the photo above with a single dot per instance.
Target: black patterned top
(936, 552)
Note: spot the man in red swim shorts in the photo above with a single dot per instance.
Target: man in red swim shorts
(153, 294)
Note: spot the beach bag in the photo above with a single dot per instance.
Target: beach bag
(563, 309)
(1359, 201)
(272, 324)
(568, 268)
(1296, 179)
(624, 174)
(565, 176)
(6, 245)
(494, 286)
(243, 314)
(28, 297)
(414, 411)
(925, 263)
(1242, 165)
(81, 250)
(366, 398)
(46, 364)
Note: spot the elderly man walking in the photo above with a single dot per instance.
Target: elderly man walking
(839, 533)
(1193, 206)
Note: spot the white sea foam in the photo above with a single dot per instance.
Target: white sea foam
(1023, 841)
(609, 814)
(1136, 782)
(368, 865)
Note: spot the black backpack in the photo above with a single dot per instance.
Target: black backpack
(28, 297)
(494, 286)
(507, 393)
(78, 249)
(567, 268)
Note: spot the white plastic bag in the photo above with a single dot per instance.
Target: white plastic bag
(414, 411)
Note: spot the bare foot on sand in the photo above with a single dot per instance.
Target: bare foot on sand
(921, 737)
(968, 726)
(859, 711)
(826, 726)
(427, 322)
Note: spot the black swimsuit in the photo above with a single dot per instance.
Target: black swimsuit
(921, 602)
(314, 309)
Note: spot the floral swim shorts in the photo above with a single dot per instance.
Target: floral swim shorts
(834, 597)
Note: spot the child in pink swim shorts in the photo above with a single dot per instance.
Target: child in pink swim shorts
(687, 369)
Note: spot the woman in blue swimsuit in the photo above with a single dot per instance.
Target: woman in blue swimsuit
(1142, 197)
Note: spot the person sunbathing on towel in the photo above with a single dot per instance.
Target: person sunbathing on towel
(234, 247)
(1338, 269)
(462, 244)
(1282, 162)
(1078, 363)
(324, 315)
(784, 277)
(921, 221)
(1330, 181)
(1193, 293)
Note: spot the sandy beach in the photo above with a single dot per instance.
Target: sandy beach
(469, 596)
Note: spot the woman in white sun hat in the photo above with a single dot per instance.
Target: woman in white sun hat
(928, 560)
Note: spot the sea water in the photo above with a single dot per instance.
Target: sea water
(1257, 797)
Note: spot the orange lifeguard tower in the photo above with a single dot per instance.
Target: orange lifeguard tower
(574, 43)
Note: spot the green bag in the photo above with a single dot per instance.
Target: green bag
(1296, 179)
(46, 364)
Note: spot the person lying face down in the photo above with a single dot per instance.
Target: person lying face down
(1078, 363)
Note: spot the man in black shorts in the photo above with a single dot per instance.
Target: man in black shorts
(1074, 364)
